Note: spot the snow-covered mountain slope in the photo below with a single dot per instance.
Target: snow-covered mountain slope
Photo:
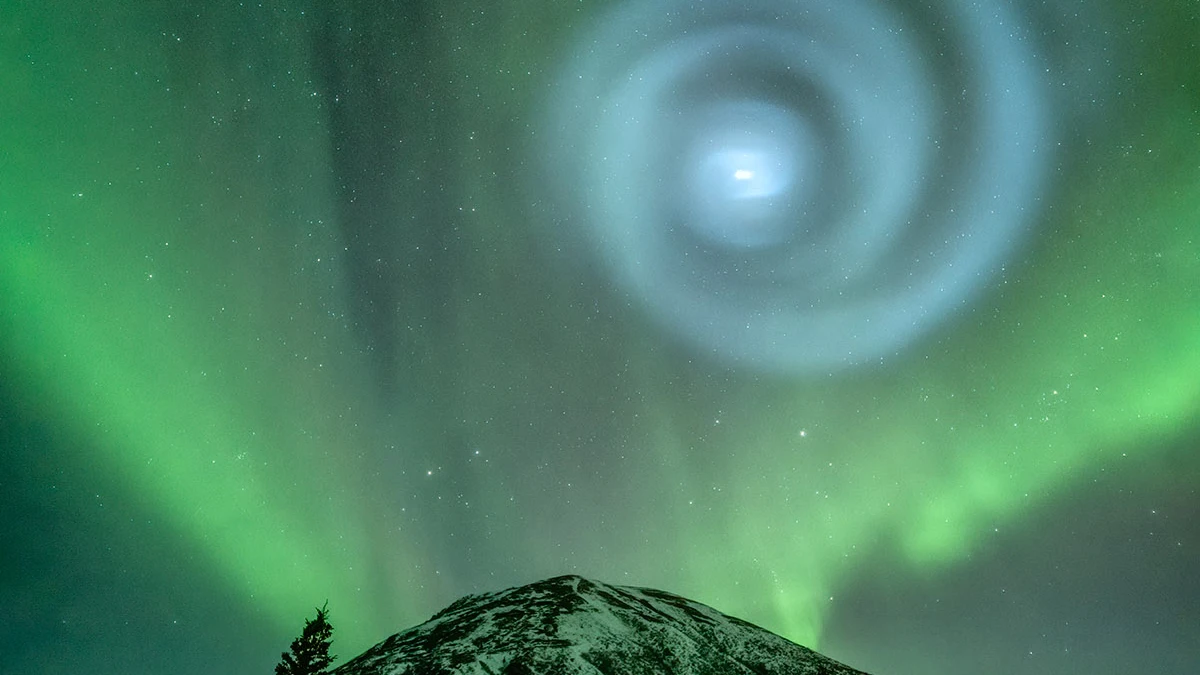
(573, 626)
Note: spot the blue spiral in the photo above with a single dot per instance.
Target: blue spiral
(800, 185)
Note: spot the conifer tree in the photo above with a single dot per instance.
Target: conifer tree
(310, 652)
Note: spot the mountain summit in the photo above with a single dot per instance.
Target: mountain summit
(573, 626)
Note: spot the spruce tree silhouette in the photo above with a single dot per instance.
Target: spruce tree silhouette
(310, 652)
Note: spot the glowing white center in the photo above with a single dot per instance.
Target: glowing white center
(747, 172)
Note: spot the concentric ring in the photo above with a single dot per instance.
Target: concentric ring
(800, 185)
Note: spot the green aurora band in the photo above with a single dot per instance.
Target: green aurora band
(172, 292)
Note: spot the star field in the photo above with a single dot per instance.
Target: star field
(389, 302)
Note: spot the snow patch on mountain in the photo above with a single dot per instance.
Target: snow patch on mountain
(574, 626)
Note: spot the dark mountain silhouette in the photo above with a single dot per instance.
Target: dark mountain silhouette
(573, 626)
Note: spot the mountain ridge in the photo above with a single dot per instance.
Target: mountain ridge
(571, 625)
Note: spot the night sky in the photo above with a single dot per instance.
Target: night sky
(874, 323)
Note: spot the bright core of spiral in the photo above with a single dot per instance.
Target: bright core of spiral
(744, 175)
(799, 185)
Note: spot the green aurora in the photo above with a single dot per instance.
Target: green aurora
(175, 295)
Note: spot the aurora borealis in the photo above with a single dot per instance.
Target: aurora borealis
(302, 303)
